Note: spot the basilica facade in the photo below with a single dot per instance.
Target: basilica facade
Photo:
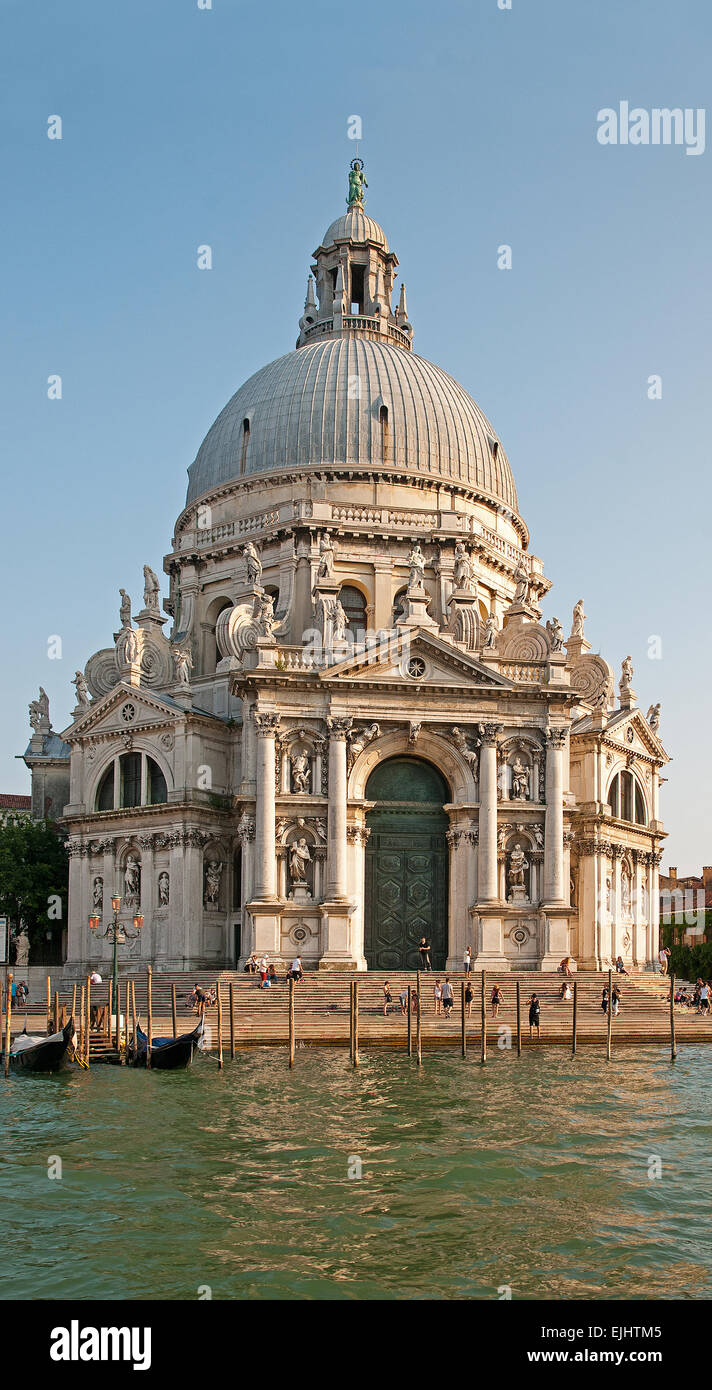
(358, 729)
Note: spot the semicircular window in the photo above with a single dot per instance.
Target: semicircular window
(132, 779)
(407, 779)
(354, 605)
(626, 800)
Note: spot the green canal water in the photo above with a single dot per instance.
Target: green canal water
(531, 1174)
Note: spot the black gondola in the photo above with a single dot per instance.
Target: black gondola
(167, 1054)
(33, 1052)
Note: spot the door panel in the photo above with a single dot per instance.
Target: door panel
(406, 891)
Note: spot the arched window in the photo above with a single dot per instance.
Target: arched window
(358, 293)
(384, 433)
(626, 800)
(157, 789)
(133, 779)
(245, 444)
(354, 606)
(399, 605)
(130, 764)
(105, 794)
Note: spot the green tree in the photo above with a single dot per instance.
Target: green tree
(34, 878)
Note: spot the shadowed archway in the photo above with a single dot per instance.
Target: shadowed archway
(406, 864)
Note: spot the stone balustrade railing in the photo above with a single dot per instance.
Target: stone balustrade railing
(522, 671)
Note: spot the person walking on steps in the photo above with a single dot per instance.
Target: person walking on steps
(534, 1015)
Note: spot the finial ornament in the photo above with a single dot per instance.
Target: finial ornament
(357, 183)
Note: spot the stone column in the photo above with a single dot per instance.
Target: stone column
(616, 865)
(336, 936)
(554, 822)
(248, 746)
(534, 791)
(79, 946)
(193, 936)
(151, 946)
(247, 839)
(653, 931)
(265, 883)
(487, 888)
(383, 597)
(336, 864)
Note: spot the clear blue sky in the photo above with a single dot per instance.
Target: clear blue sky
(228, 127)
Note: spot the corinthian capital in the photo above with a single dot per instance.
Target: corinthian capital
(488, 734)
(266, 724)
(339, 726)
(557, 737)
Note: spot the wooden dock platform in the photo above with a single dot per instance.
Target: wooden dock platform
(261, 1017)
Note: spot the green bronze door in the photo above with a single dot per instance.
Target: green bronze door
(406, 865)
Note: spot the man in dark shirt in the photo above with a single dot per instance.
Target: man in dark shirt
(424, 950)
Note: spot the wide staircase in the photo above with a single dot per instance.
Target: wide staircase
(261, 1016)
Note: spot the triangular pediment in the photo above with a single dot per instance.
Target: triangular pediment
(124, 709)
(631, 730)
(436, 662)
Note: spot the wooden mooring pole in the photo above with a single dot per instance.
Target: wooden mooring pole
(519, 1022)
(87, 1021)
(418, 1032)
(218, 997)
(673, 1043)
(573, 1020)
(357, 1058)
(232, 1021)
(133, 1012)
(464, 1019)
(483, 1021)
(609, 1019)
(291, 1021)
(56, 1011)
(8, 1021)
(351, 1020)
(125, 1044)
(174, 1011)
(74, 1003)
(149, 1007)
(81, 1024)
(49, 1005)
(410, 1021)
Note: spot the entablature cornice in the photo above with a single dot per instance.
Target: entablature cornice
(97, 821)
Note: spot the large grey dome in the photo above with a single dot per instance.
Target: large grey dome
(321, 406)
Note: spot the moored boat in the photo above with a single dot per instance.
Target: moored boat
(35, 1052)
(167, 1054)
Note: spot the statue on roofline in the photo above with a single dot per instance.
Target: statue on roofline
(357, 183)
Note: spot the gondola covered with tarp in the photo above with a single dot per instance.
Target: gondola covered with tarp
(37, 1052)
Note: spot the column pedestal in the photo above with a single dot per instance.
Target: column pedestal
(336, 936)
(553, 937)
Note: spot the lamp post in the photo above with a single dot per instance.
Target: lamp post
(118, 934)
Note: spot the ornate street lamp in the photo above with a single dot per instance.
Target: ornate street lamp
(118, 933)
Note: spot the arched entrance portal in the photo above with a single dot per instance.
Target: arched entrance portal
(406, 865)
